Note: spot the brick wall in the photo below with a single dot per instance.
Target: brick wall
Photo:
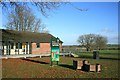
(43, 49)
(60, 47)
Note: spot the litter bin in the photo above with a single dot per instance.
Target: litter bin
(95, 54)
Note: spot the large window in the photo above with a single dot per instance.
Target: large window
(12, 45)
(37, 45)
(18, 45)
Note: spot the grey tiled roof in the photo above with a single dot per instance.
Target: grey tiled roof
(22, 36)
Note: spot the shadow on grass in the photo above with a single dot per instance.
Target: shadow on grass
(35, 61)
(109, 58)
(67, 66)
(90, 57)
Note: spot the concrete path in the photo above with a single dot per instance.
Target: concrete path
(29, 55)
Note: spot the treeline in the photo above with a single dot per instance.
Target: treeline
(112, 47)
(79, 48)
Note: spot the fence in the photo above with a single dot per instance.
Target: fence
(73, 50)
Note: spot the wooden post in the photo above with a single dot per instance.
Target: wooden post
(77, 64)
(92, 67)
(85, 62)
(80, 64)
(74, 64)
(85, 66)
(98, 67)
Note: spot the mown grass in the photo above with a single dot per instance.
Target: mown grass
(40, 68)
(103, 54)
(114, 52)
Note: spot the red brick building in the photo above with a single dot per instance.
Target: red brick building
(19, 42)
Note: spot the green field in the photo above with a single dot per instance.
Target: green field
(40, 67)
(103, 54)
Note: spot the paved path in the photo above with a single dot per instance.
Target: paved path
(29, 55)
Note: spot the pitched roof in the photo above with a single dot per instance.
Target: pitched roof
(22, 36)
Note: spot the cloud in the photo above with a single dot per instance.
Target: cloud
(113, 38)
(107, 30)
(111, 34)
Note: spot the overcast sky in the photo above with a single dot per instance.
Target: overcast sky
(68, 23)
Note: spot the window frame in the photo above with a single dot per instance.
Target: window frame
(18, 45)
(37, 45)
(12, 45)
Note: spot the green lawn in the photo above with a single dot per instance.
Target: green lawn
(104, 54)
(40, 67)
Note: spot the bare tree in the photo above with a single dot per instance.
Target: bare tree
(92, 41)
(100, 42)
(86, 40)
(24, 22)
(22, 19)
(43, 7)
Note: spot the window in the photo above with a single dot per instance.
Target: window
(16, 45)
(12, 45)
(19, 45)
(38, 45)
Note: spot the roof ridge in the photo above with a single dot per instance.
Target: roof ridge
(25, 31)
(27, 36)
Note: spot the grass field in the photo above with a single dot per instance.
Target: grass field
(104, 54)
(40, 67)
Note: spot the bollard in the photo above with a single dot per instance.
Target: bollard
(95, 54)
(98, 68)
